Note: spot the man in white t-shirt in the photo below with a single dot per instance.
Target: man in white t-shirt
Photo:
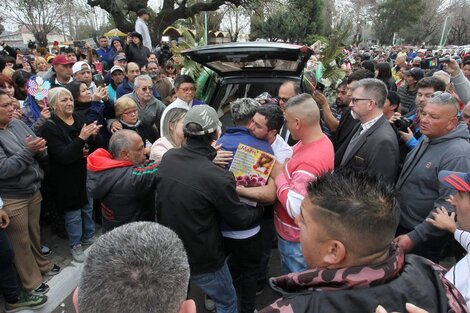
(266, 124)
(142, 28)
(459, 181)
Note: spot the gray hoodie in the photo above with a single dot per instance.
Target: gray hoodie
(20, 172)
(419, 191)
(462, 86)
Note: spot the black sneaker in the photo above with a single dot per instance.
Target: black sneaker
(26, 301)
(40, 290)
(260, 284)
(54, 271)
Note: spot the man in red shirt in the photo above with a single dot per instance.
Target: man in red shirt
(312, 156)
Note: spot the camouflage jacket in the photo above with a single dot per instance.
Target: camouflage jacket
(361, 289)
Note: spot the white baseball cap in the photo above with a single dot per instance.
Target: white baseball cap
(78, 66)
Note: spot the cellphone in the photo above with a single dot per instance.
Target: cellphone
(319, 87)
(447, 59)
(429, 63)
(98, 80)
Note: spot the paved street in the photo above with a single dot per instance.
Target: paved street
(63, 284)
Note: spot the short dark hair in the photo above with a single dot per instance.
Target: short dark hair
(368, 65)
(360, 74)
(20, 78)
(150, 53)
(394, 99)
(69, 50)
(357, 207)
(431, 82)
(343, 82)
(180, 79)
(142, 12)
(274, 116)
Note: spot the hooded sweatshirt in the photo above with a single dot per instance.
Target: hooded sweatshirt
(126, 191)
(137, 53)
(419, 191)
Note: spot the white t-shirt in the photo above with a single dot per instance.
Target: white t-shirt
(282, 150)
(459, 274)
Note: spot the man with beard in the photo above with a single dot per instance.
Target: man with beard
(331, 115)
(372, 141)
(347, 122)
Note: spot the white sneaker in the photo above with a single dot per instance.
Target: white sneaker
(77, 253)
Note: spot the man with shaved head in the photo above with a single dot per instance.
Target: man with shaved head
(444, 147)
(313, 156)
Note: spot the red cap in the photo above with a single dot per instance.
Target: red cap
(61, 59)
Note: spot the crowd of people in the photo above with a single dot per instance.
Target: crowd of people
(361, 201)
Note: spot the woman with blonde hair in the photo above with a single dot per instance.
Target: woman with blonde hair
(41, 66)
(69, 141)
(128, 115)
(172, 135)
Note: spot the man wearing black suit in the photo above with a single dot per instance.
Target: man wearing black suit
(347, 123)
(373, 144)
(287, 90)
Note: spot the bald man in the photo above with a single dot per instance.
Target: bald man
(312, 156)
(399, 63)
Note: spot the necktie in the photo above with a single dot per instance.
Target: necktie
(352, 143)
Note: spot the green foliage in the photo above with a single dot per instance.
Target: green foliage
(332, 54)
(300, 19)
(311, 39)
(395, 15)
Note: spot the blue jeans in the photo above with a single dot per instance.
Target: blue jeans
(292, 259)
(218, 286)
(8, 281)
(79, 223)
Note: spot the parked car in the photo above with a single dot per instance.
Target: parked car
(239, 70)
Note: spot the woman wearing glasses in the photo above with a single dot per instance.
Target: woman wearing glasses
(128, 115)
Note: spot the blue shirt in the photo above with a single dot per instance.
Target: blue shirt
(413, 141)
(237, 135)
(230, 141)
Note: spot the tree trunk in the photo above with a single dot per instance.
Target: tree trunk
(41, 39)
(119, 10)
